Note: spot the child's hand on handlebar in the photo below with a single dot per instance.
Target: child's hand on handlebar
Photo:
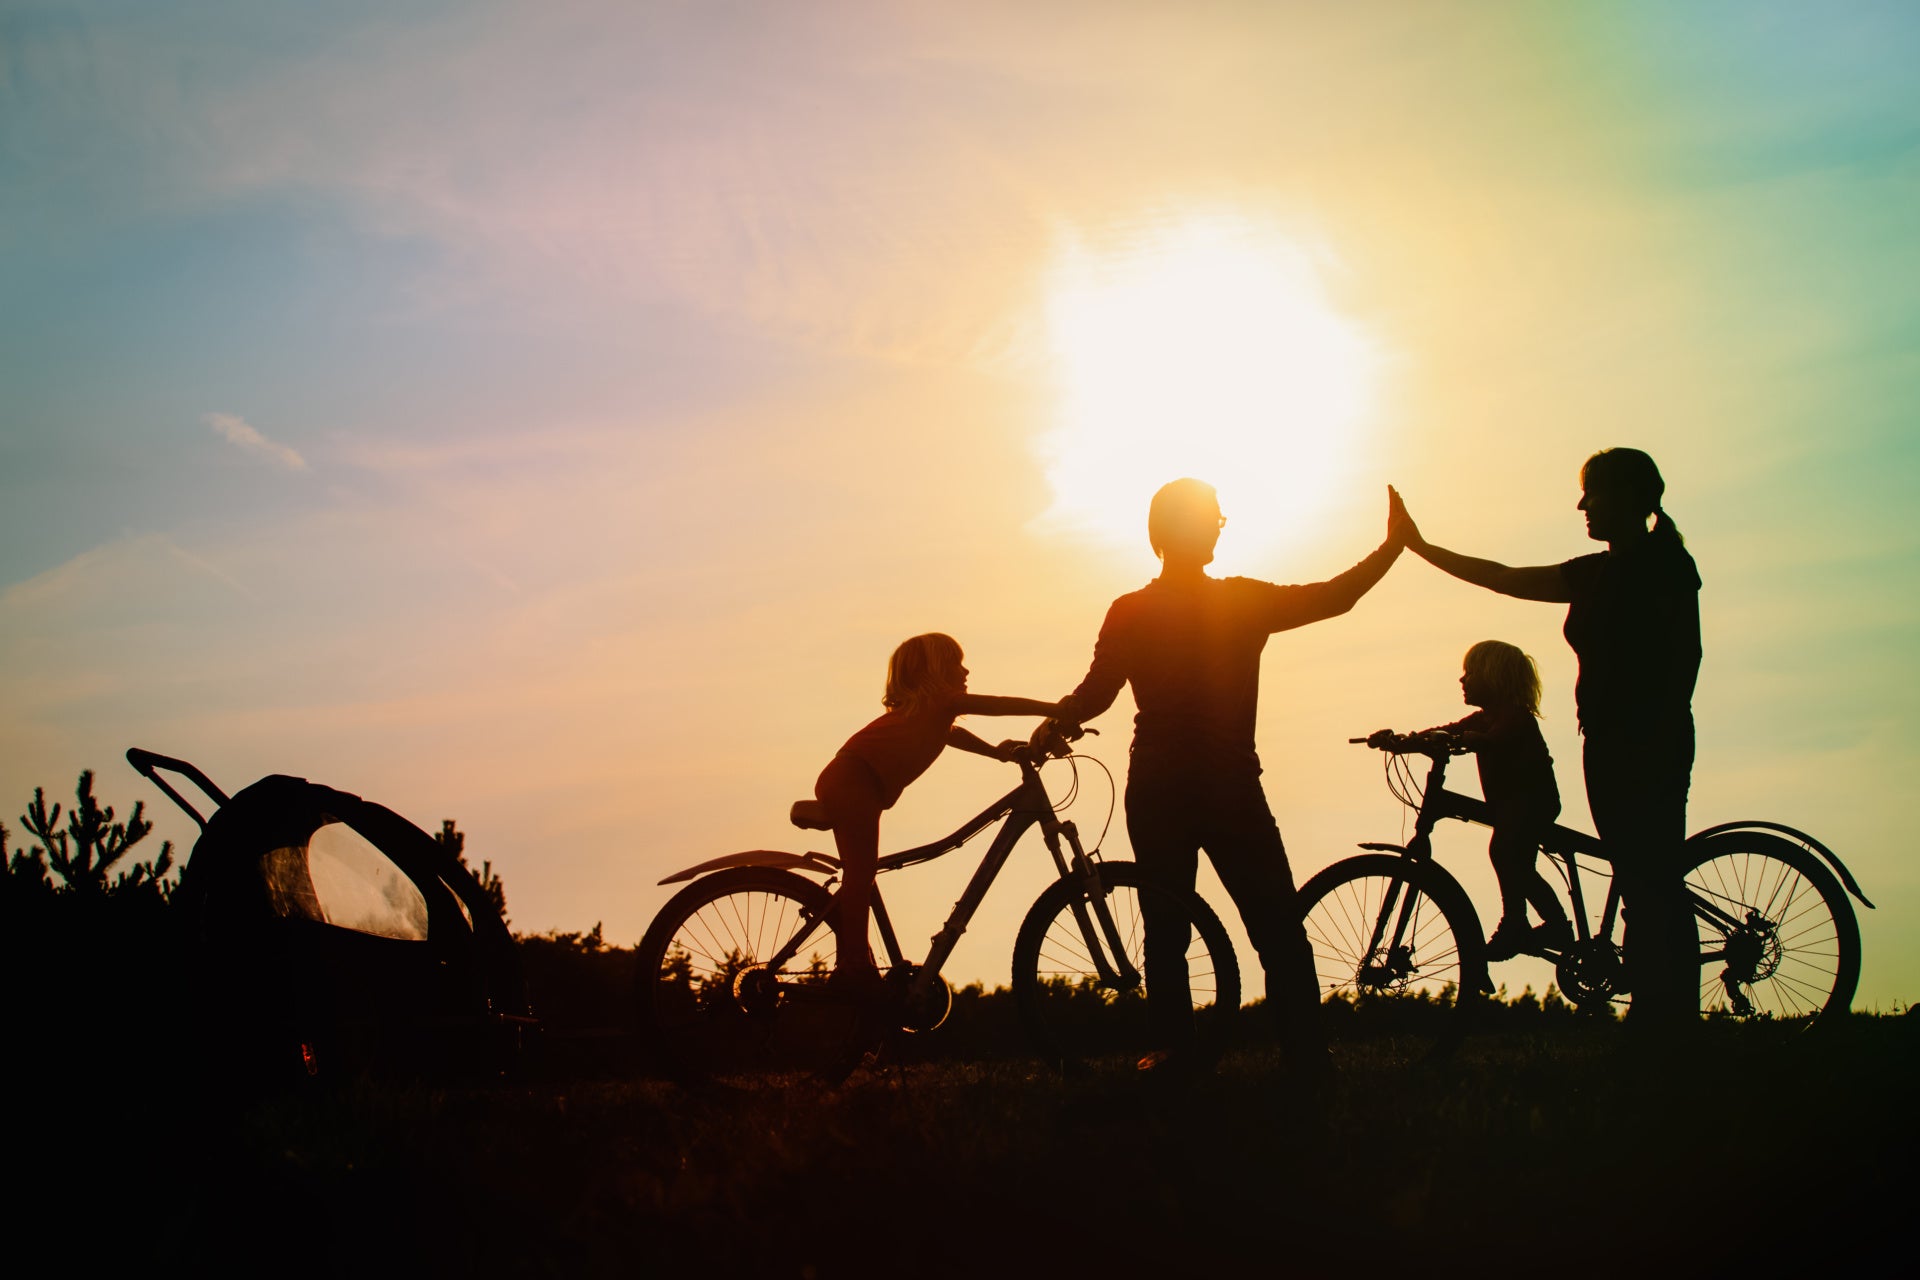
(1424, 742)
(1428, 741)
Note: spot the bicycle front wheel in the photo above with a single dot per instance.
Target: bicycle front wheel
(711, 1003)
(1397, 942)
(1079, 1001)
(1778, 938)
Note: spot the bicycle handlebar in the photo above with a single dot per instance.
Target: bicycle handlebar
(1433, 743)
(1057, 746)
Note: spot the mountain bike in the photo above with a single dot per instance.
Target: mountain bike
(1778, 937)
(734, 971)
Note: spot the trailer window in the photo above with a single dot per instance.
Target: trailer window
(360, 888)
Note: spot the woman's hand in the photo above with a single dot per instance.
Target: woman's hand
(1539, 582)
(1400, 525)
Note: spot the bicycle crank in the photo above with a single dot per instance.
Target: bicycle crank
(920, 1006)
(756, 989)
(1591, 973)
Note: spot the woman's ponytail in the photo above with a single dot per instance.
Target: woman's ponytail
(1664, 527)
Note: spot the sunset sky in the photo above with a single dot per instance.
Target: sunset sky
(549, 416)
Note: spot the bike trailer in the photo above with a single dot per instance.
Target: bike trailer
(326, 934)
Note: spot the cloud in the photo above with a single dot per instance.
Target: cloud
(238, 431)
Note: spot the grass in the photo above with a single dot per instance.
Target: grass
(1563, 1151)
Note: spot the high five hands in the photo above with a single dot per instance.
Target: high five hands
(1401, 529)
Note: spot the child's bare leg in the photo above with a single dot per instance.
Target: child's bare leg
(1515, 854)
(1545, 900)
(1512, 855)
(851, 794)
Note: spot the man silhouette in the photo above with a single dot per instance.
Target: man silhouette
(1190, 645)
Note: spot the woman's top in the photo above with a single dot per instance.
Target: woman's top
(1634, 622)
(899, 746)
(1516, 770)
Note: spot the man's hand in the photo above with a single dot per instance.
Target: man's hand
(1052, 735)
(1011, 750)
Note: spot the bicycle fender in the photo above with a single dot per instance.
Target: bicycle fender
(819, 863)
(1801, 837)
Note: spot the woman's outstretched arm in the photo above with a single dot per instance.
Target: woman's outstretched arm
(1529, 582)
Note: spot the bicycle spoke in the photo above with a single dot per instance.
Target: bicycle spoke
(1782, 943)
(1063, 999)
(1417, 951)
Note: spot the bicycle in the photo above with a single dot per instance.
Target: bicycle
(1778, 937)
(734, 971)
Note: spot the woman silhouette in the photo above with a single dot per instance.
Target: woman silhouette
(1634, 624)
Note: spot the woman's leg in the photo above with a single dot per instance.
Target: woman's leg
(1637, 788)
(851, 795)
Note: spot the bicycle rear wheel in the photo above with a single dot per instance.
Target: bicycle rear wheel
(708, 1003)
(1398, 943)
(1073, 1013)
(1778, 938)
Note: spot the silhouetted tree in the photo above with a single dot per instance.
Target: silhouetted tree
(454, 841)
(25, 871)
(96, 930)
(576, 980)
(83, 854)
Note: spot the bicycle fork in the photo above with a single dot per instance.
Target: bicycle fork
(1393, 961)
(1389, 959)
(1091, 911)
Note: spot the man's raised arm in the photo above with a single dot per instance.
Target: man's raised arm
(1316, 601)
(1330, 599)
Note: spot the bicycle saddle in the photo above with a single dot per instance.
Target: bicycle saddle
(810, 815)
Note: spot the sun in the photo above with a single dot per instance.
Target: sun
(1206, 349)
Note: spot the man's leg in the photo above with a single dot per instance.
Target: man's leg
(1244, 842)
(1160, 827)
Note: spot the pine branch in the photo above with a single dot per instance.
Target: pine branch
(84, 853)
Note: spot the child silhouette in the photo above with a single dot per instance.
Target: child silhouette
(1516, 777)
(926, 688)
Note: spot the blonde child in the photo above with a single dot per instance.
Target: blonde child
(926, 689)
(1516, 777)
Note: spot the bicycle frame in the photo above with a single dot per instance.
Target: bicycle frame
(1566, 845)
(1026, 806)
